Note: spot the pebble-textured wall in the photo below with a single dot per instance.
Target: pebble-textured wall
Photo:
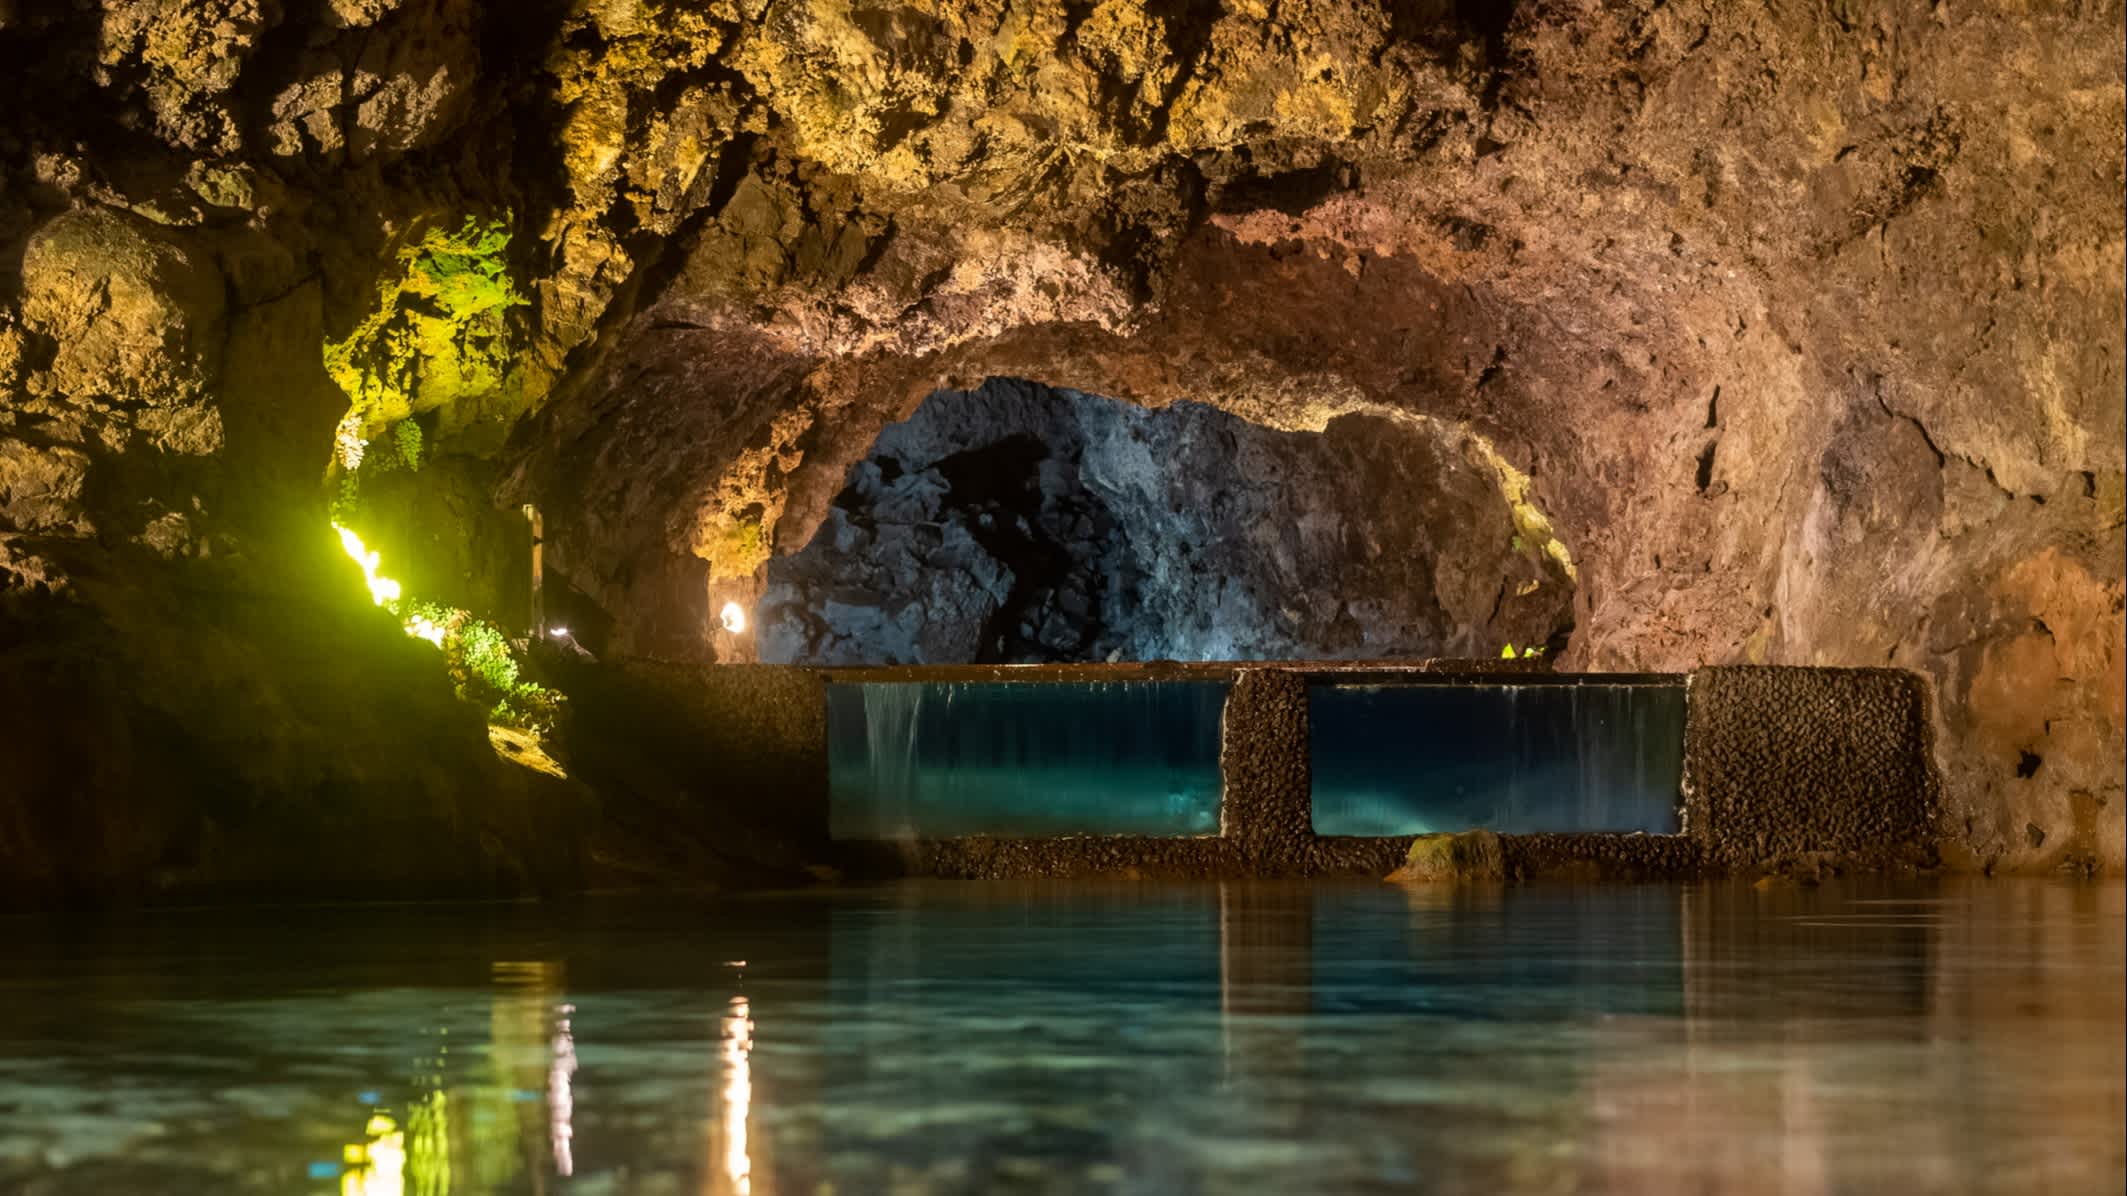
(1785, 762)
(1266, 812)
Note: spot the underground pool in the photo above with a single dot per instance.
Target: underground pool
(1951, 1036)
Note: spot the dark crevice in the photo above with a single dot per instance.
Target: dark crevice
(1291, 192)
(1493, 369)
(1925, 436)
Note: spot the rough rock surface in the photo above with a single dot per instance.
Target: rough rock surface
(1471, 857)
(1798, 331)
(1021, 523)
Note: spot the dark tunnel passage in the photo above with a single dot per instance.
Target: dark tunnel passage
(1024, 523)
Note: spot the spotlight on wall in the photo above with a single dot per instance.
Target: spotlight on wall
(733, 618)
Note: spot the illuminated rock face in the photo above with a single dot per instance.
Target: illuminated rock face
(1019, 523)
(1802, 332)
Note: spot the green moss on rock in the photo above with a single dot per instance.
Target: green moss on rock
(439, 338)
(1469, 856)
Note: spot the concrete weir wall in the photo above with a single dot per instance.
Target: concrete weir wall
(1781, 765)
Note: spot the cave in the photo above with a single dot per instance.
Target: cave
(1018, 523)
(1048, 551)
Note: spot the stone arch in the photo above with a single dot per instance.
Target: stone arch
(1020, 522)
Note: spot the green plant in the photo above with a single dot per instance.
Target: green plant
(486, 654)
(483, 669)
(346, 498)
(407, 436)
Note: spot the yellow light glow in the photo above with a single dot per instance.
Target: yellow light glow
(733, 617)
(384, 1161)
(382, 590)
(738, 1094)
(425, 629)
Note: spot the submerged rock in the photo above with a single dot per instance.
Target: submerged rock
(1453, 858)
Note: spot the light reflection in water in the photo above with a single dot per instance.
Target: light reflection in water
(378, 1166)
(738, 1094)
(527, 1098)
(1925, 1036)
(561, 1098)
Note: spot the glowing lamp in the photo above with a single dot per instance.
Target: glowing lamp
(423, 628)
(382, 590)
(733, 617)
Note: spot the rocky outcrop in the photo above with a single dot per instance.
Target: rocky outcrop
(1797, 333)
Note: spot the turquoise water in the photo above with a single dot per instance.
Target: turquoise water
(1957, 1037)
(1418, 758)
(936, 759)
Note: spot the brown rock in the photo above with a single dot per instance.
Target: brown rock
(136, 313)
(41, 488)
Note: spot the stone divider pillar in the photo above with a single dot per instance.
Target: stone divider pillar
(1786, 761)
(1265, 810)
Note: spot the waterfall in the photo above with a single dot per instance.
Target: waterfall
(1023, 759)
(893, 715)
(1516, 758)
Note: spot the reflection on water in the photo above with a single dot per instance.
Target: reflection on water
(561, 1099)
(1953, 1037)
(738, 1094)
(377, 1166)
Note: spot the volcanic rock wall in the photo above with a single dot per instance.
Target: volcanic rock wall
(1797, 331)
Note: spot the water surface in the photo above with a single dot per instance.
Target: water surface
(1962, 1037)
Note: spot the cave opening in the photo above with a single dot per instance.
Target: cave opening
(1025, 523)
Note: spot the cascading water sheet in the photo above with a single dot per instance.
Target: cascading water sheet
(1517, 759)
(910, 759)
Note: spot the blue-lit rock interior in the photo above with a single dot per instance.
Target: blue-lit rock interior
(1018, 522)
